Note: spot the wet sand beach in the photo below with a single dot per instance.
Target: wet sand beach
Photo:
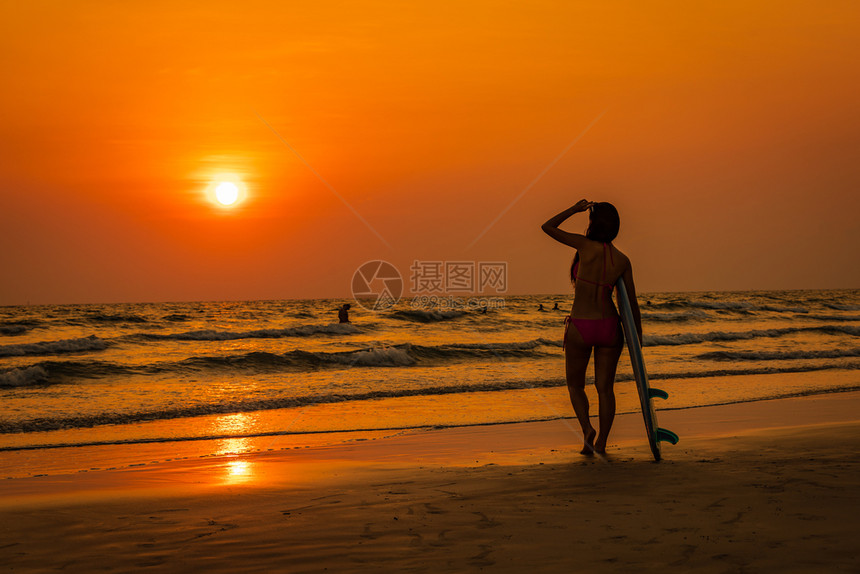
(753, 487)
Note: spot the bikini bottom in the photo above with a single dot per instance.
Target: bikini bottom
(594, 332)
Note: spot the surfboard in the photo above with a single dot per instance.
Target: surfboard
(656, 435)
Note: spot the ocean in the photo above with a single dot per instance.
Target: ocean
(87, 386)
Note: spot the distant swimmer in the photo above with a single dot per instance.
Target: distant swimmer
(540, 307)
(555, 307)
(594, 324)
(343, 313)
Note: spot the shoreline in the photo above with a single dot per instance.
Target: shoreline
(765, 486)
(121, 453)
(396, 429)
(516, 443)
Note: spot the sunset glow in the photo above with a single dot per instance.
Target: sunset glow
(360, 131)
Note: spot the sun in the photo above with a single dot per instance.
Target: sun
(227, 193)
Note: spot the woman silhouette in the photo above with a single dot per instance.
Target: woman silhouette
(593, 322)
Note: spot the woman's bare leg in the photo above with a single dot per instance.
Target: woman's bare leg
(605, 365)
(576, 356)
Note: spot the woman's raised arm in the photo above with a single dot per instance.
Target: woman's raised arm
(574, 240)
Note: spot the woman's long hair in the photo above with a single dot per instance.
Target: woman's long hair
(603, 225)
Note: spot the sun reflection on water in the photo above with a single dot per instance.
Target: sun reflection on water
(233, 446)
(235, 424)
(236, 470)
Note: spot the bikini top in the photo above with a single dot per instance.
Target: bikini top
(607, 286)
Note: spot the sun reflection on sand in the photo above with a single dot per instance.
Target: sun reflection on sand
(238, 471)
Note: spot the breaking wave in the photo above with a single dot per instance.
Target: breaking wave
(250, 405)
(422, 316)
(211, 335)
(23, 377)
(779, 355)
(693, 338)
(91, 343)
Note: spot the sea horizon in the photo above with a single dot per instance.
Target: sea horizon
(351, 298)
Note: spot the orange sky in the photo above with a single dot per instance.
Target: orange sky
(728, 142)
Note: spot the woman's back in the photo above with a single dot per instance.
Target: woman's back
(598, 269)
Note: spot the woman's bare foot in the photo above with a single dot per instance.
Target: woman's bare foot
(588, 447)
(600, 445)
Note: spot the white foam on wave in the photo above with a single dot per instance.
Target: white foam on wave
(383, 356)
(300, 331)
(91, 343)
(779, 355)
(840, 307)
(674, 317)
(831, 317)
(719, 305)
(784, 309)
(744, 306)
(514, 346)
(23, 377)
(14, 329)
(693, 338)
(427, 316)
